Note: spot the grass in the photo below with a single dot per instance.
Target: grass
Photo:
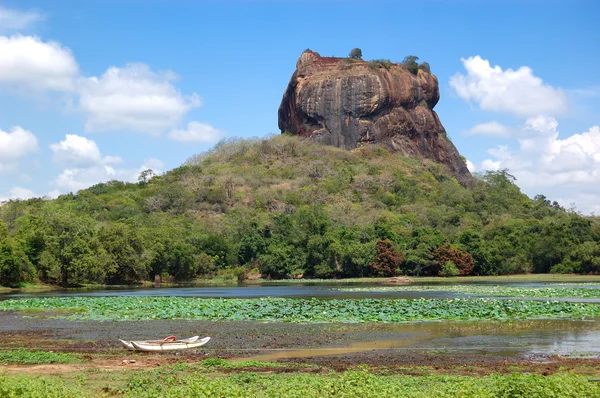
(511, 278)
(174, 381)
(29, 288)
(36, 357)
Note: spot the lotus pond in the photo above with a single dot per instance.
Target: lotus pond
(582, 290)
(298, 310)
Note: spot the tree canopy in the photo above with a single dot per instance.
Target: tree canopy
(290, 207)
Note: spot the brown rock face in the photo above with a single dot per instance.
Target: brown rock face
(349, 103)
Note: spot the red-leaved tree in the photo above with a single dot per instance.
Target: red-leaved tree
(463, 261)
(387, 259)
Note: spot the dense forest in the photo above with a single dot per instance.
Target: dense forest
(286, 207)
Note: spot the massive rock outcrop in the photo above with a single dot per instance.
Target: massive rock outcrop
(349, 103)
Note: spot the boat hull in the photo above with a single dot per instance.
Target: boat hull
(128, 344)
(168, 345)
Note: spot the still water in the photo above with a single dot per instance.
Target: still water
(538, 338)
(308, 290)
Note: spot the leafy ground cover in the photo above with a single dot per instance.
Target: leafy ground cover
(298, 310)
(185, 383)
(583, 290)
(36, 357)
(564, 278)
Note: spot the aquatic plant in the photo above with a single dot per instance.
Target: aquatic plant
(297, 310)
(582, 290)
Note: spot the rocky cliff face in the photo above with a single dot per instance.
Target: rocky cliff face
(349, 103)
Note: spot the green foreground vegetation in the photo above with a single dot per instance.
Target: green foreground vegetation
(558, 291)
(36, 357)
(184, 381)
(298, 310)
(284, 207)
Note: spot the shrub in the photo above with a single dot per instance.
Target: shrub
(424, 66)
(387, 259)
(381, 63)
(356, 53)
(240, 273)
(449, 269)
(448, 253)
(410, 61)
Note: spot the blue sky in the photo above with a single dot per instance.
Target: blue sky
(101, 89)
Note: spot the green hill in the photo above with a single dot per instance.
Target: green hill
(289, 207)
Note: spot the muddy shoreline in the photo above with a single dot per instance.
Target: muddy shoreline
(393, 348)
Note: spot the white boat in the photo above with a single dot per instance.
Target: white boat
(164, 345)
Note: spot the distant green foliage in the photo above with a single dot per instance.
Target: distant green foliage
(424, 66)
(381, 63)
(449, 269)
(290, 207)
(36, 357)
(3, 232)
(410, 62)
(356, 53)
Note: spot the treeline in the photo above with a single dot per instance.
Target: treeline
(286, 207)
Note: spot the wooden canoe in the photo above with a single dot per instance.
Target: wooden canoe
(128, 344)
(168, 345)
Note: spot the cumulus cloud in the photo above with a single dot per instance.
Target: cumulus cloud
(471, 166)
(133, 98)
(567, 170)
(14, 145)
(77, 151)
(17, 193)
(86, 166)
(130, 98)
(519, 91)
(491, 129)
(21, 193)
(15, 20)
(30, 63)
(74, 179)
(197, 132)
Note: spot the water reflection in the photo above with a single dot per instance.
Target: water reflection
(524, 339)
(320, 290)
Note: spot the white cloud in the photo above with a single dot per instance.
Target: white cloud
(197, 132)
(14, 145)
(21, 193)
(514, 91)
(86, 166)
(489, 164)
(15, 20)
(566, 170)
(17, 193)
(156, 165)
(493, 129)
(471, 166)
(133, 98)
(72, 180)
(75, 179)
(77, 151)
(28, 62)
